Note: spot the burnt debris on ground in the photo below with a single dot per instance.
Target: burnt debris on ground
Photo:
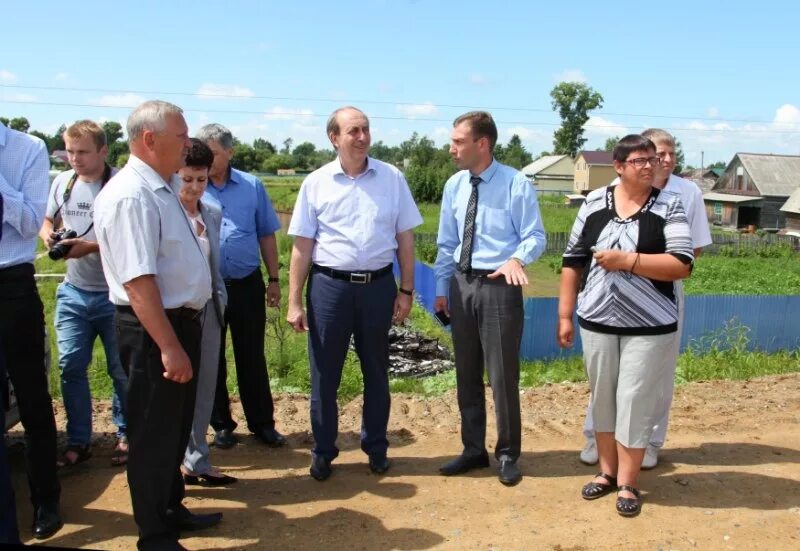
(412, 354)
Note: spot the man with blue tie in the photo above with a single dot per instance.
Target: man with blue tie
(24, 168)
(489, 230)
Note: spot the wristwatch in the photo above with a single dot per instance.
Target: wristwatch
(273, 280)
(406, 291)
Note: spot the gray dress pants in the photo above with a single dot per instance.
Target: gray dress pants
(487, 317)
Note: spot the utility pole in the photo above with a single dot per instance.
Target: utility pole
(702, 166)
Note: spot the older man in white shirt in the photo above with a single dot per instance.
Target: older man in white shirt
(159, 280)
(351, 217)
(692, 199)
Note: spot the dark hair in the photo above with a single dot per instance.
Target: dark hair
(200, 155)
(630, 144)
(481, 124)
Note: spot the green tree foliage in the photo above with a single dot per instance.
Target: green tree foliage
(611, 143)
(19, 123)
(277, 161)
(428, 168)
(118, 151)
(514, 154)
(572, 101)
(718, 164)
(386, 153)
(5, 121)
(304, 155)
(265, 145)
(287, 146)
(679, 158)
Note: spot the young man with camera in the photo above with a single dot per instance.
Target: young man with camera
(83, 310)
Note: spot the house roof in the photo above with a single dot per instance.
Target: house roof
(597, 157)
(718, 171)
(775, 175)
(793, 203)
(541, 163)
(730, 198)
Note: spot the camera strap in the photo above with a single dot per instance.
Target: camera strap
(68, 193)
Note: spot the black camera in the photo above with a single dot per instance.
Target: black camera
(60, 250)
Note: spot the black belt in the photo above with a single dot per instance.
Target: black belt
(477, 273)
(17, 272)
(353, 277)
(181, 312)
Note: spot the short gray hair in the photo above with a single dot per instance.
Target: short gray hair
(152, 116)
(215, 132)
(333, 121)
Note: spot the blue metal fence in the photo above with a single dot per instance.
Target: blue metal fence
(773, 322)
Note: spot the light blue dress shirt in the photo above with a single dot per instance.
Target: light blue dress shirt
(507, 224)
(24, 181)
(247, 216)
(354, 221)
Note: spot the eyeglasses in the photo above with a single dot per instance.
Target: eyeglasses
(642, 161)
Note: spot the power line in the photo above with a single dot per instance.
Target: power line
(379, 117)
(360, 101)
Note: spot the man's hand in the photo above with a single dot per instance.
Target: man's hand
(513, 272)
(80, 247)
(177, 367)
(566, 333)
(402, 306)
(615, 260)
(296, 316)
(441, 305)
(273, 295)
(50, 241)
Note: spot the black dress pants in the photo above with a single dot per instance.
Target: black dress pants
(159, 422)
(22, 334)
(246, 314)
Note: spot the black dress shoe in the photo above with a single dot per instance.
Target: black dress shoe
(46, 521)
(379, 464)
(509, 473)
(208, 480)
(184, 520)
(224, 439)
(271, 437)
(464, 463)
(320, 467)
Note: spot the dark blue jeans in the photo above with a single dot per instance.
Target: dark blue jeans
(338, 310)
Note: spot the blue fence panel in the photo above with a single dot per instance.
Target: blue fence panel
(773, 321)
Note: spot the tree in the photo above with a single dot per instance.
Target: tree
(718, 164)
(264, 145)
(514, 154)
(277, 161)
(287, 146)
(56, 141)
(19, 123)
(383, 152)
(679, 158)
(573, 101)
(611, 143)
(113, 131)
(5, 121)
(428, 169)
(303, 155)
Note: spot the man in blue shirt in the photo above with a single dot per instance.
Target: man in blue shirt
(248, 229)
(489, 229)
(24, 169)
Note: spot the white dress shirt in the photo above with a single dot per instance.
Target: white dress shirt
(354, 220)
(142, 229)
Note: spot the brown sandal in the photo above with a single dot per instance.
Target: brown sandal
(82, 453)
(119, 456)
(629, 506)
(593, 490)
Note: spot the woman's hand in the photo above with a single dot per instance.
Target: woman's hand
(614, 260)
(566, 333)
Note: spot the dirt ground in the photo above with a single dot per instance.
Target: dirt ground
(729, 478)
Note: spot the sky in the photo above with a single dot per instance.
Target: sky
(722, 77)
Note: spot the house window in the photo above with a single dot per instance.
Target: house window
(739, 178)
(717, 209)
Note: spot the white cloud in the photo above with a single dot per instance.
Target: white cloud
(279, 113)
(18, 98)
(118, 100)
(787, 117)
(599, 126)
(441, 132)
(414, 110)
(61, 76)
(211, 91)
(713, 112)
(478, 79)
(571, 75)
(7, 76)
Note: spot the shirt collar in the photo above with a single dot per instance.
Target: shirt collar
(337, 167)
(153, 180)
(488, 174)
(3, 134)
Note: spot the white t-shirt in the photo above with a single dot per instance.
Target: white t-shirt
(77, 214)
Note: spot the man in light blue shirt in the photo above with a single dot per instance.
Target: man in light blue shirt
(489, 230)
(24, 182)
(351, 218)
(247, 235)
